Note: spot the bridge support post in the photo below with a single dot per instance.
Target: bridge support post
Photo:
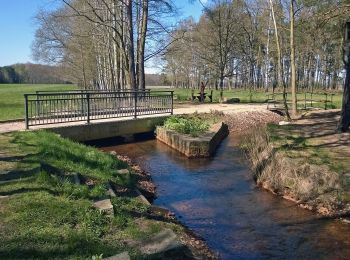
(135, 104)
(88, 107)
(26, 111)
(172, 103)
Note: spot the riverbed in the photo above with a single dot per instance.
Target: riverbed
(218, 200)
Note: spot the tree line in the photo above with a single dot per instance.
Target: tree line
(31, 74)
(260, 44)
(101, 44)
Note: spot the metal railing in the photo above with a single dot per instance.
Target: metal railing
(45, 108)
(306, 100)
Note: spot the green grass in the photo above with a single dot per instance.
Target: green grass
(247, 96)
(12, 100)
(190, 125)
(47, 215)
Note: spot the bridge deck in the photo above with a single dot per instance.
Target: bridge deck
(180, 109)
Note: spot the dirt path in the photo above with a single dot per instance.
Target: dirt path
(179, 109)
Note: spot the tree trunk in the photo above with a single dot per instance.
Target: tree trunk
(279, 62)
(292, 60)
(141, 46)
(344, 122)
(131, 55)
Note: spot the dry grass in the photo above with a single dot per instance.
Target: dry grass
(274, 169)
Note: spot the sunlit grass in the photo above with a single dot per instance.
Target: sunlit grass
(47, 215)
(12, 99)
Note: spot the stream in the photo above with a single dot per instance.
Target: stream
(218, 200)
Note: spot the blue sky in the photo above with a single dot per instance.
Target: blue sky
(17, 26)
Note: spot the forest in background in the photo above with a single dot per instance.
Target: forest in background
(30, 73)
(261, 44)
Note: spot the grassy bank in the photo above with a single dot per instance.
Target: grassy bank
(44, 214)
(12, 100)
(302, 163)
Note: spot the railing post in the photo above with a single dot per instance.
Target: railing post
(88, 107)
(26, 111)
(172, 103)
(135, 104)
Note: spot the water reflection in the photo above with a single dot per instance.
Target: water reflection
(218, 200)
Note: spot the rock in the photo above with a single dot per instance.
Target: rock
(161, 211)
(121, 256)
(283, 123)
(141, 197)
(104, 206)
(113, 153)
(123, 171)
(233, 100)
(160, 243)
(110, 191)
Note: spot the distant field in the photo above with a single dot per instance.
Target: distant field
(12, 100)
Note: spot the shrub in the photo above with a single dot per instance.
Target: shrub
(186, 125)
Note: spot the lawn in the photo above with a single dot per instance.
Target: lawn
(44, 214)
(247, 96)
(12, 100)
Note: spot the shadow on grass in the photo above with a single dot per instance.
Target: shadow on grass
(18, 174)
(12, 158)
(56, 246)
(25, 190)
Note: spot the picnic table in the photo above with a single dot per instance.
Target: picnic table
(199, 96)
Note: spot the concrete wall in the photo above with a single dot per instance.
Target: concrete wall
(100, 130)
(194, 147)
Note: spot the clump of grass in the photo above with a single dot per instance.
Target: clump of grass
(193, 126)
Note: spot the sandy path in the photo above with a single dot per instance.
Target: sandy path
(179, 109)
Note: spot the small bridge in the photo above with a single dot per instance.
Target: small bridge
(90, 115)
(44, 108)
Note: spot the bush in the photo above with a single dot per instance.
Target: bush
(186, 125)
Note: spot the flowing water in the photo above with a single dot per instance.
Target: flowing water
(217, 199)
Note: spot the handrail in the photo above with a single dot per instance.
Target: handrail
(44, 93)
(64, 107)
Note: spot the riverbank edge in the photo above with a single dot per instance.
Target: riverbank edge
(189, 238)
(266, 165)
(194, 147)
(195, 244)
